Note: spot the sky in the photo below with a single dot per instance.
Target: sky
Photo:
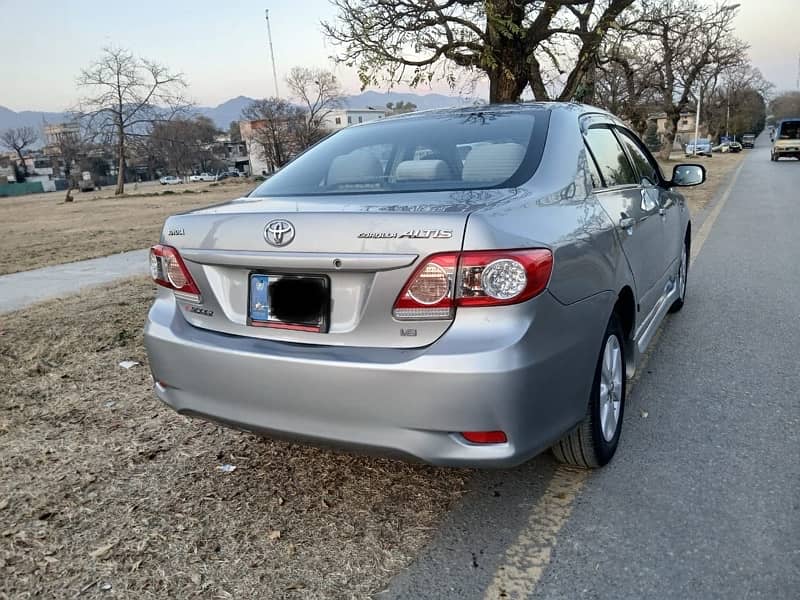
(221, 47)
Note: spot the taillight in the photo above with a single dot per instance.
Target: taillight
(473, 278)
(168, 269)
(429, 291)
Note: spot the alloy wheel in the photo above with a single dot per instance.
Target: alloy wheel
(611, 374)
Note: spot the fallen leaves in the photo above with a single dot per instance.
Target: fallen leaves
(103, 551)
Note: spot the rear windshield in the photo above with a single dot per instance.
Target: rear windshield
(447, 151)
(790, 130)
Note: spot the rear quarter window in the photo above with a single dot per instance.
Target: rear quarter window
(611, 160)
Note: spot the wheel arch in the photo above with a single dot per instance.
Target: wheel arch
(625, 309)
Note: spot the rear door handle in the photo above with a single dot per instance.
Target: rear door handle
(627, 223)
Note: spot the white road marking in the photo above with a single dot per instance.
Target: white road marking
(527, 558)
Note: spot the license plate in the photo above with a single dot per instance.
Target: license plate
(299, 302)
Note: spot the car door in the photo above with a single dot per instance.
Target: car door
(635, 212)
(654, 191)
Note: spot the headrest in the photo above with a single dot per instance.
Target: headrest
(357, 167)
(423, 170)
(492, 162)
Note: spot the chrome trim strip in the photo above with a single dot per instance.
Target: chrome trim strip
(344, 261)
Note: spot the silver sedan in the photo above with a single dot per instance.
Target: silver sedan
(464, 287)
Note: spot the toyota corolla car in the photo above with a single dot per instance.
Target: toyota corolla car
(465, 287)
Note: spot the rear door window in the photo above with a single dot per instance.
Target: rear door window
(645, 165)
(611, 159)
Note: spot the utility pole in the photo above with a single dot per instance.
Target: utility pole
(697, 123)
(272, 55)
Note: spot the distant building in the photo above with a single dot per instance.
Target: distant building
(686, 126)
(56, 135)
(233, 154)
(256, 162)
(343, 117)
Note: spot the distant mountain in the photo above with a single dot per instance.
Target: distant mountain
(27, 118)
(231, 110)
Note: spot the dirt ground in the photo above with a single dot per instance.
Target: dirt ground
(41, 229)
(719, 170)
(106, 493)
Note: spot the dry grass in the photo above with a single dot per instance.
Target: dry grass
(718, 172)
(41, 229)
(101, 485)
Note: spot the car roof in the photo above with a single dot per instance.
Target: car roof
(522, 107)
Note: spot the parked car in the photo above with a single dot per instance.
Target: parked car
(202, 177)
(734, 146)
(748, 140)
(226, 175)
(787, 139)
(170, 180)
(722, 148)
(703, 147)
(462, 313)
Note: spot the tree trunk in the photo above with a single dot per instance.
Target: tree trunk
(120, 162)
(505, 34)
(23, 165)
(505, 88)
(669, 134)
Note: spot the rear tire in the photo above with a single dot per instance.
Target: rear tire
(593, 443)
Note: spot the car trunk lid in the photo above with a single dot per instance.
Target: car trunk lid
(358, 256)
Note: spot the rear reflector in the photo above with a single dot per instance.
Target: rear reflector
(168, 269)
(473, 278)
(485, 437)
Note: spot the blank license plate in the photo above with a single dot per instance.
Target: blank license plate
(298, 302)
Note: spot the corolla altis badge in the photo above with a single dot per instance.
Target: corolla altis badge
(417, 234)
(279, 232)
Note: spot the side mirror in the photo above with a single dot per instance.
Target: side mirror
(688, 175)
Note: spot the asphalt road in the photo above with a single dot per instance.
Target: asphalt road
(703, 497)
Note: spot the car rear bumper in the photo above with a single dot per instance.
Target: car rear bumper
(525, 370)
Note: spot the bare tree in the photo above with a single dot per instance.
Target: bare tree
(18, 140)
(125, 95)
(547, 44)
(275, 124)
(692, 44)
(736, 101)
(786, 104)
(183, 144)
(400, 107)
(319, 92)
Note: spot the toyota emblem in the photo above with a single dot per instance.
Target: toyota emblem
(279, 232)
